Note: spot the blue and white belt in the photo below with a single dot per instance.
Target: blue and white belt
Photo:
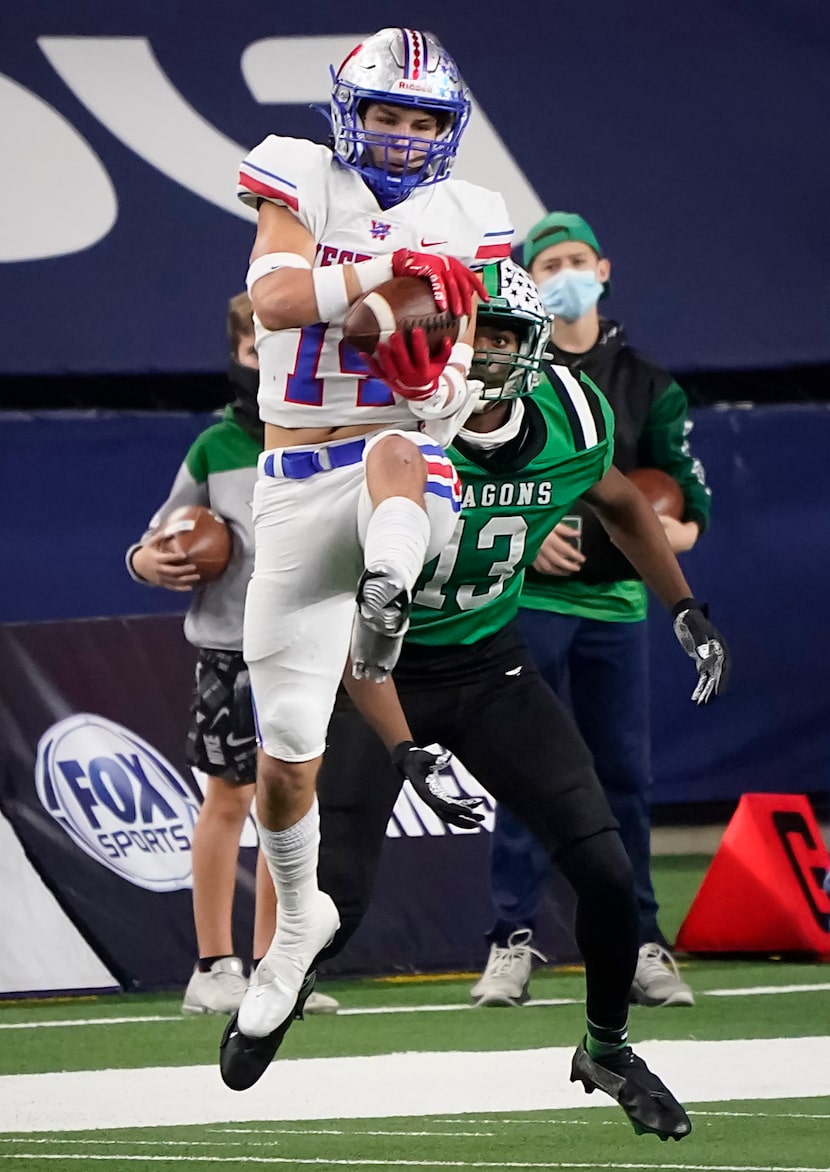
(300, 463)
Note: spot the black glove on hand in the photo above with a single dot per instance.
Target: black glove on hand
(705, 645)
(422, 769)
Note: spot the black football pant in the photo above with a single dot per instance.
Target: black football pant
(513, 734)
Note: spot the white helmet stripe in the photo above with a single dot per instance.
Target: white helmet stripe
(580, 404)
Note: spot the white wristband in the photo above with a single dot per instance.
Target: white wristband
(330, 292)
(263, 265)
(330, 284)
(371, 273)
(445, 400)
(462, 354)
(128, 560)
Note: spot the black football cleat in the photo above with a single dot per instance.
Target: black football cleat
(647, 1102)
(244, 1060)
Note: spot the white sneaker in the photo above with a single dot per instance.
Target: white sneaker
(657, 981)
(273, 993)
(220, 990)
(506, 976)
(321, 1003)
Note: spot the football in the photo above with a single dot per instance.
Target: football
(662, 491)
(403, 303)
(202, 536)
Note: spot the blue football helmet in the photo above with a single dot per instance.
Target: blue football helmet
(400, 67)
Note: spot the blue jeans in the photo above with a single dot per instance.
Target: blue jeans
(604, 668)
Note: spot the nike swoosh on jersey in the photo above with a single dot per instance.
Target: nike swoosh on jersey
(515, 671)
(432, 243)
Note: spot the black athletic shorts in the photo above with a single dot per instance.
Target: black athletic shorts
(221, 739)
(486, 703)
(489, 706)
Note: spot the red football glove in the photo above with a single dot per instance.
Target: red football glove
(408, 369)
(453, 285)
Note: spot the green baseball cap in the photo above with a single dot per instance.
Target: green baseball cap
(553, 229)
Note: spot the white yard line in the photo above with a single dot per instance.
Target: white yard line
(213, 1144)
(88, 1021)
(410, 1085)
(341, 1131)
(762, 1114)
(354, 1163)
(360, 1012)
(376, 1010)
(763, 990)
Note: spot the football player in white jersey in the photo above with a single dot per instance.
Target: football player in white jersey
(355, 491)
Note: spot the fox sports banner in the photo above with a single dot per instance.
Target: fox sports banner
(95, 785)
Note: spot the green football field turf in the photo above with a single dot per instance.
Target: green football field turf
(733, 1137)
(411, 1021)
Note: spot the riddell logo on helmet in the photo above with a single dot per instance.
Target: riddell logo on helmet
(417, 87)
(119, 800)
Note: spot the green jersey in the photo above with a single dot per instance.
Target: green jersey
(512, 497)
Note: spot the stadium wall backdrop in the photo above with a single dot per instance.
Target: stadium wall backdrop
(706, 284)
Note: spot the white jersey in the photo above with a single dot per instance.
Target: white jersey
(307, 377)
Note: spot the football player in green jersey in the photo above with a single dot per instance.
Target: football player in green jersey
(583, 613)
(466, 681)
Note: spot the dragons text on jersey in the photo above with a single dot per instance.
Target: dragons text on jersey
(511, 500)
(521, 493)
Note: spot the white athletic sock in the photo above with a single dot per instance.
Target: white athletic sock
(397, 537)
(306, 921)
(291, 856)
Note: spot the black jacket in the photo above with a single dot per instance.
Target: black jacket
(651, 431)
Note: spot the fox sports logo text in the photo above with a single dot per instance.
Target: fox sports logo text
(119, 800)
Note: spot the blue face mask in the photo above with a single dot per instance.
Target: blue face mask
(570, 294)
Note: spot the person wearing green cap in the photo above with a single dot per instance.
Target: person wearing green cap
(562, 254)
(584, 610)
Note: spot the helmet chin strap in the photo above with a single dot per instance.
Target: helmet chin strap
(487, 440)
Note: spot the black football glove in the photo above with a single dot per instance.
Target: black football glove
(705, 645)
(422, 769)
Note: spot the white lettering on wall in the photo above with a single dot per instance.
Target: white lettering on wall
(121, 82)
(64, 201)
(56, 196)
